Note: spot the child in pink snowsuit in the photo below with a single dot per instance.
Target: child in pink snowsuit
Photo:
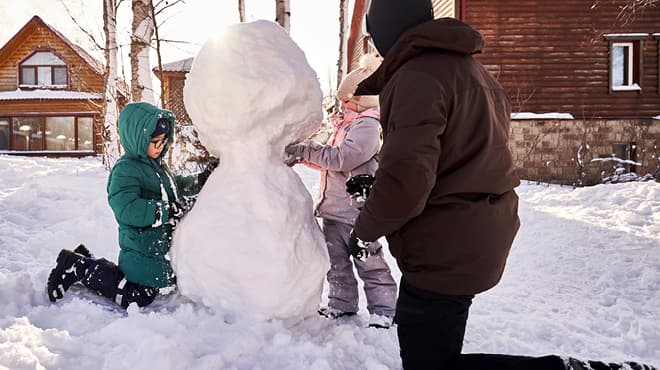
(351, 150)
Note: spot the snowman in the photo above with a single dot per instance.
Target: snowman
(251, 246)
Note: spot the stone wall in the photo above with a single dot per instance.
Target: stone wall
(563, 151)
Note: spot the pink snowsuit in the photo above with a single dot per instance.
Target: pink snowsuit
(351, 150)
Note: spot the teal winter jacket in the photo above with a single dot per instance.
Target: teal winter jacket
(139, 189)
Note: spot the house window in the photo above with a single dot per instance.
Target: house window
(27, 133)
(626, 57)
(625, 66)
(43, 69)
(622, 64)
(85, 133)
(60, 133)
(4, 133)
(47, 133)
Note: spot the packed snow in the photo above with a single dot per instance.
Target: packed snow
(251, 92)
(583, 279)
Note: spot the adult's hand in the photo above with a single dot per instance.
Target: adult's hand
(357, 248)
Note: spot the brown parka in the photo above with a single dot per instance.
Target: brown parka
(443, 194)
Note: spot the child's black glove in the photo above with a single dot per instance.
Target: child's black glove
(175, 212)
(204, 175)
(295, 153)
(359, 186)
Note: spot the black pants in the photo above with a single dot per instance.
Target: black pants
(105, 278)
(431, 327)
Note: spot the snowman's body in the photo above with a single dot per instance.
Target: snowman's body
(251, 245)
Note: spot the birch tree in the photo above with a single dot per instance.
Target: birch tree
(112, 148)
(241, 10)
(142, 32)
(342, 64)
(283, 14)
(109, 107)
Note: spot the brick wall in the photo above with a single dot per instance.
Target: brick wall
(550, 150)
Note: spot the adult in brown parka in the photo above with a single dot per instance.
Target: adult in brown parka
(443, 194)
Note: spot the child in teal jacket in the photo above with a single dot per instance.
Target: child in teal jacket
(147, 201)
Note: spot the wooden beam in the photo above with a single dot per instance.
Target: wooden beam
(355, 30)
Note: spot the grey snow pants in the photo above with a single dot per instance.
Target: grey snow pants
(379, 286)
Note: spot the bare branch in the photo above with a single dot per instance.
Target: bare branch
(82, 29)
(158, 10)
(630, 10)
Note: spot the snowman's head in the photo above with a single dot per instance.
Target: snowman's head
(252, 85)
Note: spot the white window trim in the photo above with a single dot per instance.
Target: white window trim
(613, 36)
(633, 85)
(44, 59)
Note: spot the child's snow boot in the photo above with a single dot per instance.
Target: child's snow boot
(81, 249)
(333, 313)
(64, 274)
(575, 364)
(379, 321)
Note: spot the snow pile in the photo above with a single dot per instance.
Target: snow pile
(250, 93)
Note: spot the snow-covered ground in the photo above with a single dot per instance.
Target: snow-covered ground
(583, 279)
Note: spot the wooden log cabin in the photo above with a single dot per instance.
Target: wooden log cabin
(51, 95)
(583, 78)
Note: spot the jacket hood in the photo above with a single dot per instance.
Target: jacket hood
(447, 34)
(387, 20)
(137, 121)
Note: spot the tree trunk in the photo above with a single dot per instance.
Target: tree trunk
(143, 30)
(159, 57)
(283, 14)
(342, 65)
(112, 149)
(241, 10)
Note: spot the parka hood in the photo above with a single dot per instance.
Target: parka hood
(447, 34)
(137, 121)
(387, 20)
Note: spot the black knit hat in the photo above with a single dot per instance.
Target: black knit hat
(387, 20)
(162, 127)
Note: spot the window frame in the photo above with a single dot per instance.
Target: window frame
(635, 64)
(42, 125)
(36, 67)
(628, 66)
(8, 121)
(656, 36)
